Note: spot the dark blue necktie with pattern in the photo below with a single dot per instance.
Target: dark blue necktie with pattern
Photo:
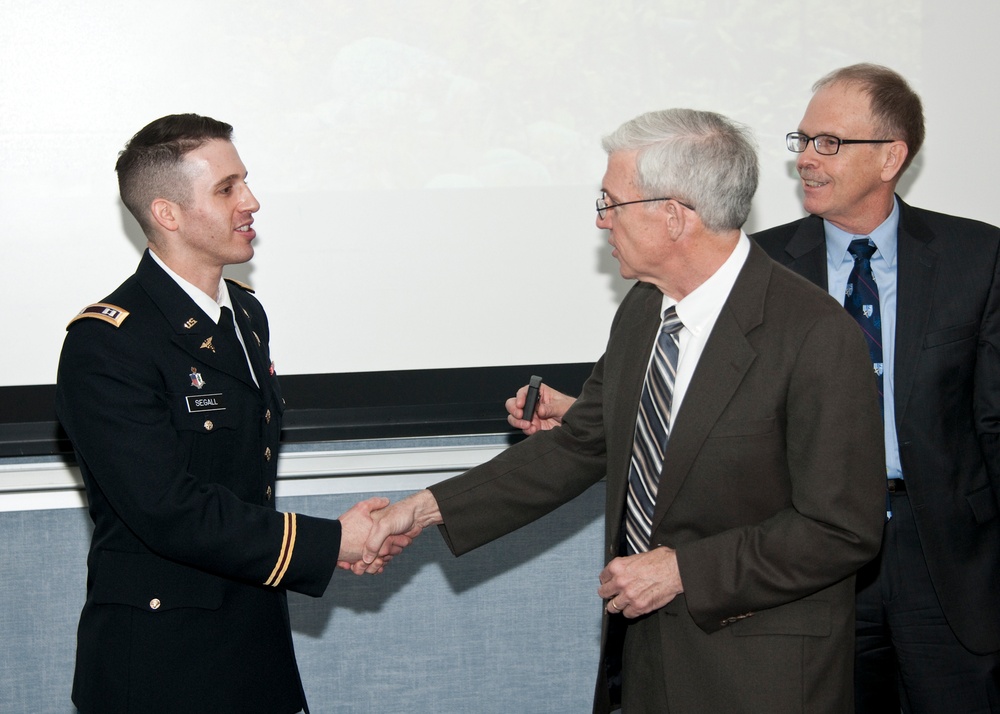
(861, 300)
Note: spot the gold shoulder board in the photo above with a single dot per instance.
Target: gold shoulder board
(242, 285)
(102, 311)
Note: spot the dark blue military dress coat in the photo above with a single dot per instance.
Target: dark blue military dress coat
(189, 563)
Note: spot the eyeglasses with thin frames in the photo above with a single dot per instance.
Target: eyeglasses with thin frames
(825, 144)
(603, 206)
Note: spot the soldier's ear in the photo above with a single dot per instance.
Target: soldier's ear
(165, 213)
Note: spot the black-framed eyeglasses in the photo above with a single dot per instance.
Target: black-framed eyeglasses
(824, 143)
(603, 206)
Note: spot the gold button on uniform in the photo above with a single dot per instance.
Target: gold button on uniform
(209, 425)
(267, 416)
(267, 453)
(268, 493)
(154, 604)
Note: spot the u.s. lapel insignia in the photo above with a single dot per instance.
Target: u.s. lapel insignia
(207, 345)
(190, 323)
(256, 337)
(196, 381)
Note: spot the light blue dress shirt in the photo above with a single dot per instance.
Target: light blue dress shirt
(838, 268)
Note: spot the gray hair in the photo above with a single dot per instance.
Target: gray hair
(701, 158)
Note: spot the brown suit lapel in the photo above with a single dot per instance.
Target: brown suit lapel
(723, 364)
(638, 329)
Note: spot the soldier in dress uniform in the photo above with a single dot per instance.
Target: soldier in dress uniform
(167, 391)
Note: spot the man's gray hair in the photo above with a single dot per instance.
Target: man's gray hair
(701, 158)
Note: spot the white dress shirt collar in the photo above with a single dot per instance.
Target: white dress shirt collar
(212, 308)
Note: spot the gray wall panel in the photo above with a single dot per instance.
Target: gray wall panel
(513, 626)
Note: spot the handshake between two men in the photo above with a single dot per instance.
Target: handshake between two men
(366, 545)
(373, 531)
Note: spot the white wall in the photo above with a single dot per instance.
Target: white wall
(427, 169)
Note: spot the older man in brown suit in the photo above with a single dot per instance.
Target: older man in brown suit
(743, 480)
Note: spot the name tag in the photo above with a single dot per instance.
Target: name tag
(205, 403)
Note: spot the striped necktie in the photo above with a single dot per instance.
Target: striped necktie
(652, 429)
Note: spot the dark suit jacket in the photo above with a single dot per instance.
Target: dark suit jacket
(947, 398)
(180, 480)
(768, 494)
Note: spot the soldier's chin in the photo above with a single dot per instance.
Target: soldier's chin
(246, 257)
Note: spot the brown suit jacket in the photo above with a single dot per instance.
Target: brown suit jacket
(769, 494)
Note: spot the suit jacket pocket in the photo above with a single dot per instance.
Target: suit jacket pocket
(983, 504)
(808, 618)
(950, 334)
(150, 583)
(211, 427)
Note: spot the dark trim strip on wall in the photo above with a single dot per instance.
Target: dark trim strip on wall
(333, 407)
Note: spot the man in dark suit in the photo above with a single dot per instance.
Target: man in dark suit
(928, 625)
(928, 628)
(175, 422)
(742, 483)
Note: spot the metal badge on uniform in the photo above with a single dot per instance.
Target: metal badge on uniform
(191, 322)
(205, 403)
(196, 381)
(207, 345)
